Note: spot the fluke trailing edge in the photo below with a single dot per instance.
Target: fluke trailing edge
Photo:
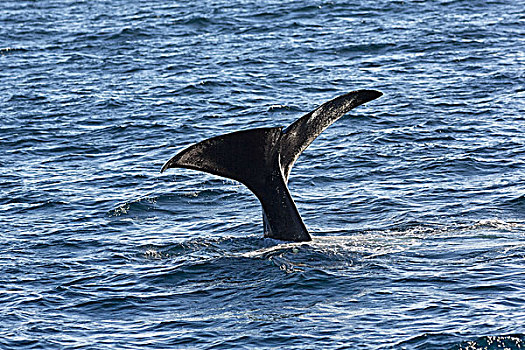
(262, 159)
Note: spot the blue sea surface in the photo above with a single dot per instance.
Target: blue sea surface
(416, 200)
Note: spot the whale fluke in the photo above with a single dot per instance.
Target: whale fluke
(262, 159)
(300, 134)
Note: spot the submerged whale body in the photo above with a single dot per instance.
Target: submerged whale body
(262, 159)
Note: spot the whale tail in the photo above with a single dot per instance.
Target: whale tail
(262, 159)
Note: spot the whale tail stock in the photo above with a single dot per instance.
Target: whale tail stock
(262, 159)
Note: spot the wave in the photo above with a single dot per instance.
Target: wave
(493, 342)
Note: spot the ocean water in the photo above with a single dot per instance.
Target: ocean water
(416, 200)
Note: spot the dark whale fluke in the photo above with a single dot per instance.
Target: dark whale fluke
(262, 159)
